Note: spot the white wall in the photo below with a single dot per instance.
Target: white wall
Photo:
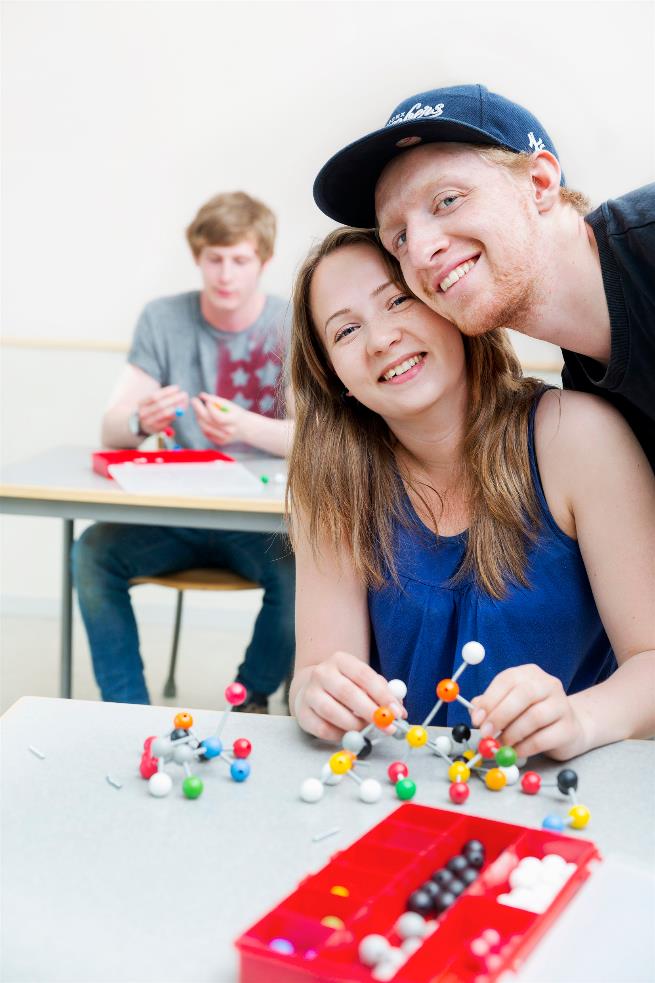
(121, 118)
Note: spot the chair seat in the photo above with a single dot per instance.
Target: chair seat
(199, 578)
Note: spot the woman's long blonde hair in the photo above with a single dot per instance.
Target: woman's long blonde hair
(343, 469)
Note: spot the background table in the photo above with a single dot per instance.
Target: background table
(104, 884)
(62, 484)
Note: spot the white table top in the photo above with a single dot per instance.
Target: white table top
(106, 884)
(61, 482)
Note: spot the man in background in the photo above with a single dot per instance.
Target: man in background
(467, 192)
(207, 363)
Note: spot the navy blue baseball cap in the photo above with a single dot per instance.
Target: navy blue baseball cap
(345, 187)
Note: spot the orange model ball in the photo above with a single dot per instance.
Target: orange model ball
(448, 690)
(382, 717)
(183, 720)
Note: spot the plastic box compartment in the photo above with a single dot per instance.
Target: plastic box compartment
(379, 871)
(101, 460)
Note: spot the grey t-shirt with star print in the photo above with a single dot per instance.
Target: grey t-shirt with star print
(174, 344)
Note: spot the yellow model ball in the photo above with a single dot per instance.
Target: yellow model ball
(495, 779)
(416, 736)
(341, 762)
(459, 772)
(579, 816)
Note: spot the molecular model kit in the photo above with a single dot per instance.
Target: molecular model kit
(426, 895)
(495, 765)
(182, 747)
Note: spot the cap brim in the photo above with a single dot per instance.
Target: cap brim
(344, 188)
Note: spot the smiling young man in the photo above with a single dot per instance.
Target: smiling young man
(208, 363)
(468, 194)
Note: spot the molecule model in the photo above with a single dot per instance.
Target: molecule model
(357, 745)
(182, 747)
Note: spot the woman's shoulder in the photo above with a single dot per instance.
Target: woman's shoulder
(569, 422)
(580, 440)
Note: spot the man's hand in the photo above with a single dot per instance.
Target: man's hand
(531, 712)
(221, 420)
(157, 411)
(339, 694)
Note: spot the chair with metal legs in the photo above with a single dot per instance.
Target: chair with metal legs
(194, 579)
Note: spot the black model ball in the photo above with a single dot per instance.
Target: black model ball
(366, 750)
(430, 888)
(475, 860)
(457, 886)
(461, 733)
(567, 779)
(469, 875)
(420, 902)
(443, 877)
(457, 864)
(445, 900)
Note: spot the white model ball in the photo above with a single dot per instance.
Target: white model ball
(372, 949)
(311, 790)
(329, 777)
(411, 925)
(353, 741)
(398, 688)
(387, 968)
(444, 744)
(161, 748)
(527, 875)
(370, 790)
(511, 773)
(410, 946)
(160, 784)
(473, 653)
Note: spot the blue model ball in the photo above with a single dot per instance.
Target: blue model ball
(554, 822)
(212, 746)
(239, 770)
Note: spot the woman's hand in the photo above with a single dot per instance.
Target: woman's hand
(339, 694)
(531, 712)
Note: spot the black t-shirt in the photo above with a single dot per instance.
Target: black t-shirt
(625, 234)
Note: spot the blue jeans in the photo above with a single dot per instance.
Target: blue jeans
(108, 555)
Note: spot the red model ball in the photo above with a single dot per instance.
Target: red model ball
(458, 792)
(242, 747)
(146, 744)
(148, 765)
(236, 694)
(531, 783)
(397, 770)
(488, 747)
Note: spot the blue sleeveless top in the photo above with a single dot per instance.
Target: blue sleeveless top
(418, 628)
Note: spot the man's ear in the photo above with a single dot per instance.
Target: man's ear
(545, 174)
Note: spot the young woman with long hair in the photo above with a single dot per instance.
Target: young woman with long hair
(438, 496)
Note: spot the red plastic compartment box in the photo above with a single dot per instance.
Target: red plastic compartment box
(103, 459)
(380, 871)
